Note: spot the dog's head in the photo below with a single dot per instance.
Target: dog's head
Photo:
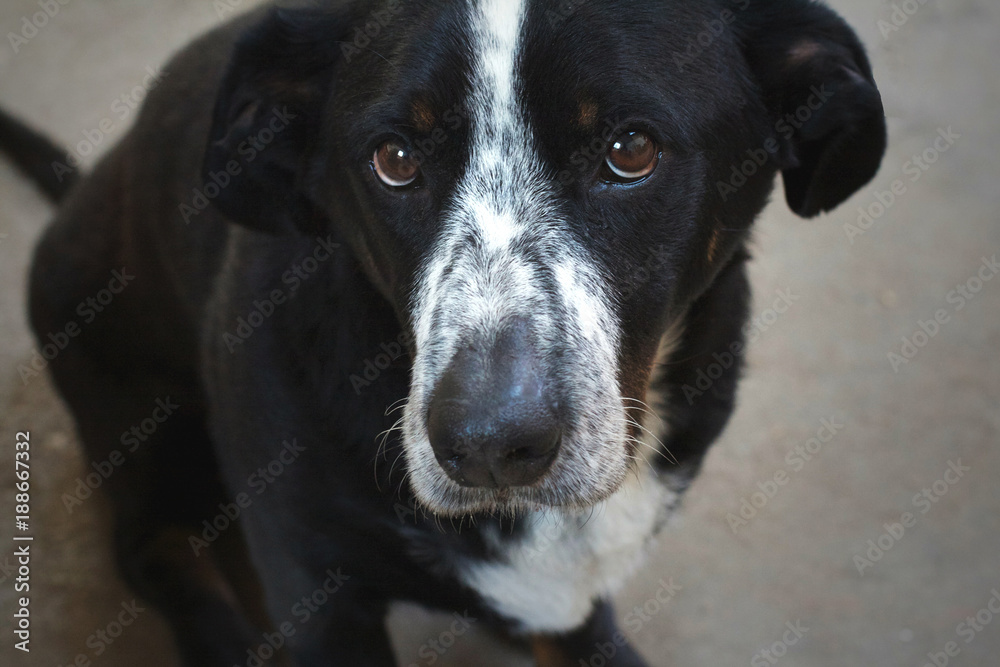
(540, 189)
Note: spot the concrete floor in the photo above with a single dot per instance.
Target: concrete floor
(826, 358)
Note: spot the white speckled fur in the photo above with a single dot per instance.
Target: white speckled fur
(481, 276)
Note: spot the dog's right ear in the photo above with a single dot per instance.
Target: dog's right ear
(267, 116)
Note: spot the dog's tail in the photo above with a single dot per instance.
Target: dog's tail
(39, 158)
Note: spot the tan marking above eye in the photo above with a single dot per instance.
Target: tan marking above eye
(423, 117)
(395, 165)
(588, 115)
(633, 156)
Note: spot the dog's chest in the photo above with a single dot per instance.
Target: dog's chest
(549, 577)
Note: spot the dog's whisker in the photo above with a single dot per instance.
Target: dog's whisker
(381, 451)
(378, 481)
(640, 455)
(645, 408)
(660, 449)
(392, 468)
(397, 405)
(642, 404)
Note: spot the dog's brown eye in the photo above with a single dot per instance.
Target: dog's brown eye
(395, 165)
(633, 156)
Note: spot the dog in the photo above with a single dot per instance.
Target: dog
(428, 290)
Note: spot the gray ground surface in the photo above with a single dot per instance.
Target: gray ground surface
(825, 358)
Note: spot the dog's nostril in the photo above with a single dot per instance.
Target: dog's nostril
(487, 449)
(520, 454)
(533, 453)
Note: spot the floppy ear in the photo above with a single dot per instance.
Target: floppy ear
(267, 115)
(817, 84)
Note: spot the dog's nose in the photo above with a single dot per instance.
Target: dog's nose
(490, 422)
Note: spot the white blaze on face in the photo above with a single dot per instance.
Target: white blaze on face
(504, 251)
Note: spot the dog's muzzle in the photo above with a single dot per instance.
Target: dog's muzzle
(491, 422)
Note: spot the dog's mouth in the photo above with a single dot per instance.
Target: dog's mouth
(565, 485)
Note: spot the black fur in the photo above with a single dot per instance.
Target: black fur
(675, 247)
(36, 155)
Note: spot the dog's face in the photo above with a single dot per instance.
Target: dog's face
(540, 190)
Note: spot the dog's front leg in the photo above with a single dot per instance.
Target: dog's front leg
(352, 636)
(598, 641)
(322, 606)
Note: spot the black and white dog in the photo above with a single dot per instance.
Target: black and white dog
(428, 286)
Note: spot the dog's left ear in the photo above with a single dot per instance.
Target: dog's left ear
(818, 86)
(267, 116)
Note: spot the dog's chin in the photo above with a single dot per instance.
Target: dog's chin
(439, 495)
